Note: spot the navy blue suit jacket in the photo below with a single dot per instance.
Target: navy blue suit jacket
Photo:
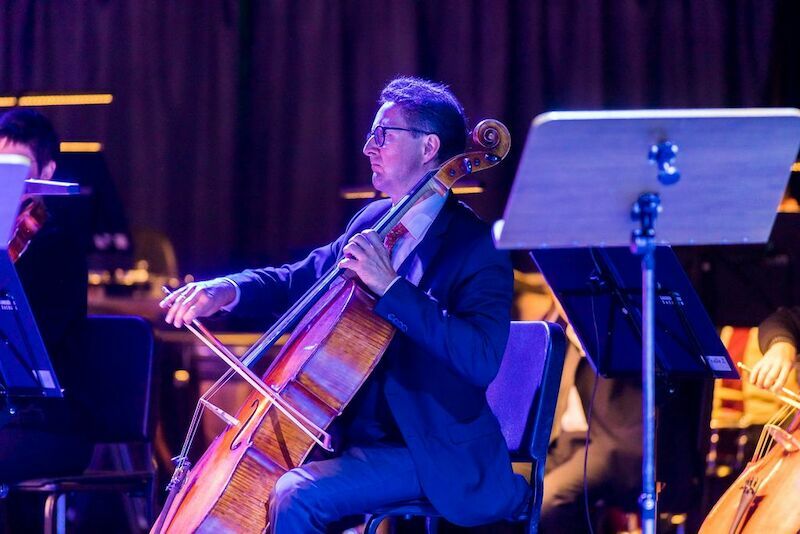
(452, 332)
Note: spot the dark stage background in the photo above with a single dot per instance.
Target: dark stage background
(236, 123)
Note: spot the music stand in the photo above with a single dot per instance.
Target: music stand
(584, 176)
(25, 368)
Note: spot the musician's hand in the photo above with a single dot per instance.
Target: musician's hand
(366, 256)
(198, 299)
(772, 371)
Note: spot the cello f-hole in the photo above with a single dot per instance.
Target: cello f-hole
(236, 440)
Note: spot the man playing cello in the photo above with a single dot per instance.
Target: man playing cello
(420, 426)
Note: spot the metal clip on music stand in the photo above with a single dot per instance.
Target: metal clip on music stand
(587, 181)
(25, 368)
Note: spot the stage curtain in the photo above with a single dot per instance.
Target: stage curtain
(236, 123)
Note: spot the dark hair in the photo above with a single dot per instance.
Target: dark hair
(431, 107)
(31, 128)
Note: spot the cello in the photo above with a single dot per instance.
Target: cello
(764, 497)
(336, 342)
(29, 221)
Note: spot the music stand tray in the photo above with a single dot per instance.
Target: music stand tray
(25, 368)
(580, 172)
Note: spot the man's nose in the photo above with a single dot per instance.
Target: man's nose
(369, 146)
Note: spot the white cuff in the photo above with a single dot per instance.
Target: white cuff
(232, 304)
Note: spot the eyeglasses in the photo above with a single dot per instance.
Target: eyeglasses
(380, 133)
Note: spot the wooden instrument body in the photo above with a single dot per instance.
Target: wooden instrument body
(775, 509)
(29, 221)
(319, 370)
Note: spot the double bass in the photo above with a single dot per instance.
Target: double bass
(335, 344)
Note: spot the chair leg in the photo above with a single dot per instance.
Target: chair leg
(55, 513)
(49, 509)
(152, 489)
(432, 525)
(61, 514)
(135, 508)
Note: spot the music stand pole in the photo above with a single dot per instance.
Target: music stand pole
(645, 210)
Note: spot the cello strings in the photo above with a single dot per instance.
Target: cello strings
(762, 438)
(777, 419)
(187, 442)
(194, 424)
(766, 441)
(788, 413)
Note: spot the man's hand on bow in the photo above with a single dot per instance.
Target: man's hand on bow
(366, 256)
(198, 299)
(772, 371)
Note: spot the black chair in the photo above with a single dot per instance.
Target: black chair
(118, 385)
(523, 398)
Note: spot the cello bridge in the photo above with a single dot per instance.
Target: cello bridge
(786, 440)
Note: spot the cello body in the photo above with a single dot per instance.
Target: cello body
(318, 371)
(30, 220)
(764, 498)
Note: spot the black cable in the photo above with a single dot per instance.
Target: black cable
(591, 406)
(586, 456)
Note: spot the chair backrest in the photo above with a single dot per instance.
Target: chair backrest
(119, 374)
(523, 395)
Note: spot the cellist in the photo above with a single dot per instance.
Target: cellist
(421, 425)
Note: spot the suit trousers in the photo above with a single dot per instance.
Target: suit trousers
(308, 498)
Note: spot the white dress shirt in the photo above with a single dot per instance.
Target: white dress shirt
(417, 220)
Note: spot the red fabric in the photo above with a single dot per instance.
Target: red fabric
(394, 234)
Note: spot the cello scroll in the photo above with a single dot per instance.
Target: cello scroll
(492, 142)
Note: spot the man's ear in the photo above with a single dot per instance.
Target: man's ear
(430, 148)
(48, 171)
